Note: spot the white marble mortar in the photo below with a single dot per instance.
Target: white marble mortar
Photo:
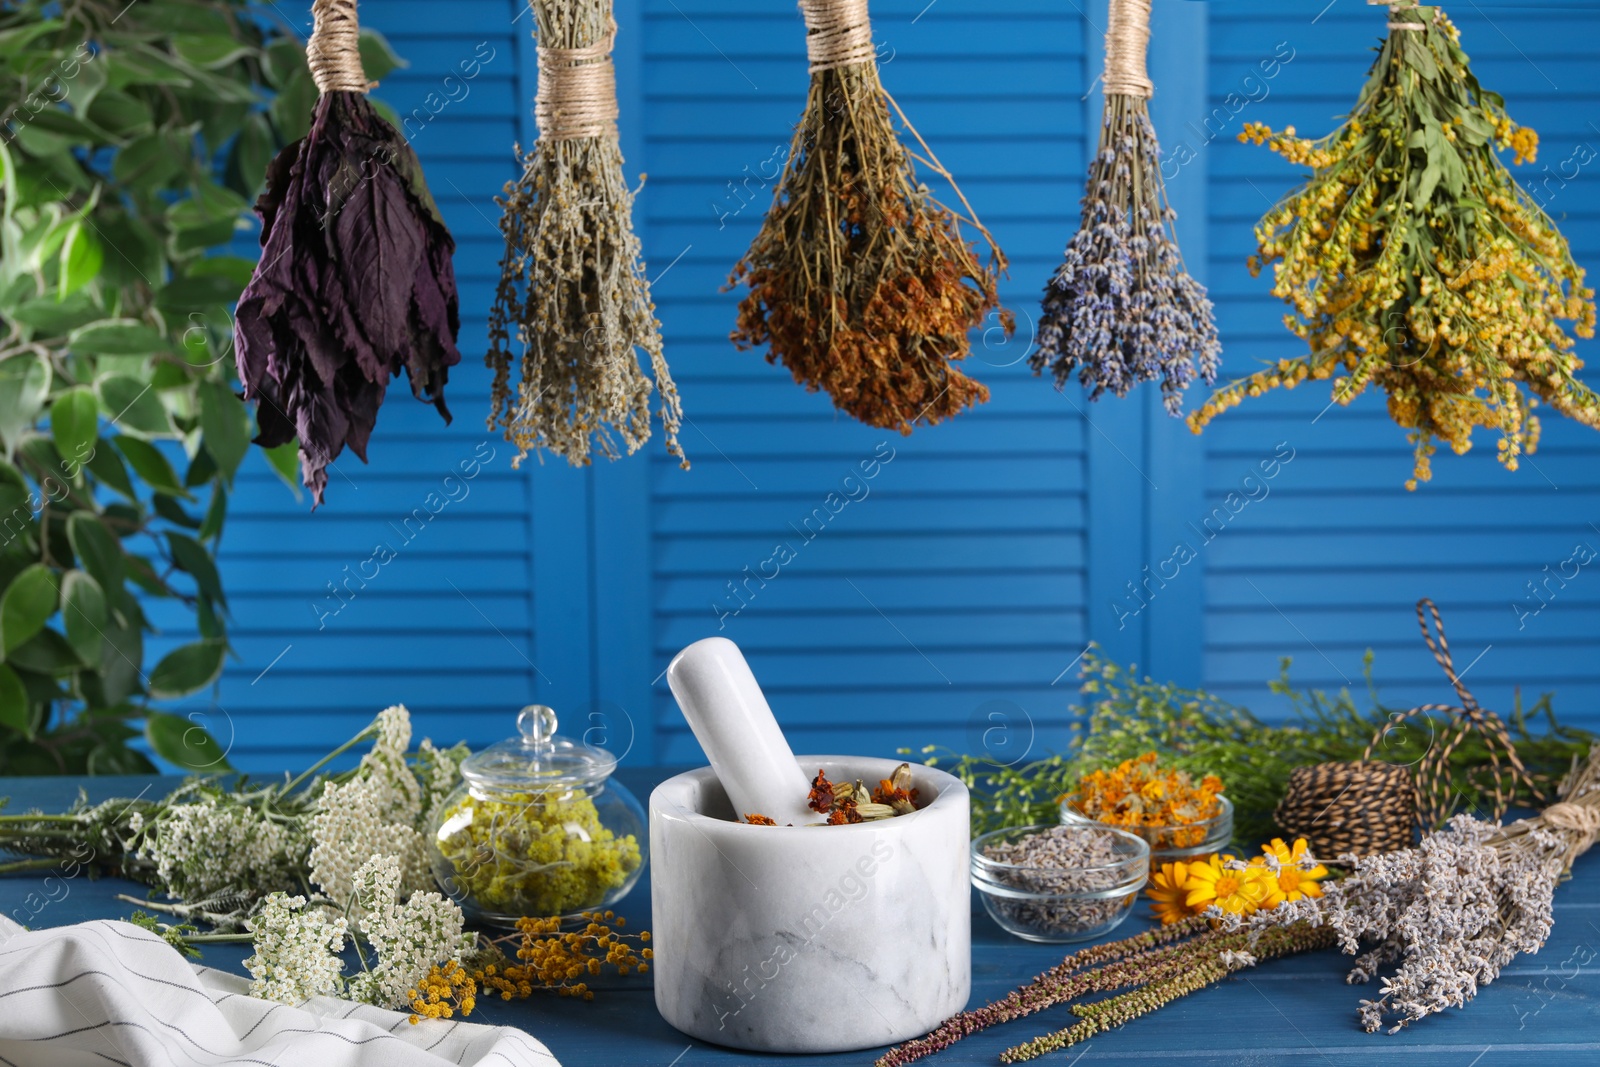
(810, 939)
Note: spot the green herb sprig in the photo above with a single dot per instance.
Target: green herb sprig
(1125, 714)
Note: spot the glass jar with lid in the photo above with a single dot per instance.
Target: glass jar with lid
(537, 828)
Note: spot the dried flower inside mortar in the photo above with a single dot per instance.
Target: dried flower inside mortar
(572, 286)
(537, 828)
(852, 802)
(1179, 816)
(1412, 260)
(860, 281)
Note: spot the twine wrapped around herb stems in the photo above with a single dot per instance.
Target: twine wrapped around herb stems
(1122, 308)
(356, 280)
(860, 281)
(333, 51)
(573, 291)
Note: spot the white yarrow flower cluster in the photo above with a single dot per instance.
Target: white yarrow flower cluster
(297, 950)
(378, 812)
(409, 939)
(216, 846)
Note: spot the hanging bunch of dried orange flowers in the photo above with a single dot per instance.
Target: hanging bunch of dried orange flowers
(860, 281)
(572, 284)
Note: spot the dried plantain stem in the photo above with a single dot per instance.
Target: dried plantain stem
(859, 280)
(572, 285)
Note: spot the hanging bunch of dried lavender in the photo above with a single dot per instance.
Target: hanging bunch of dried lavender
(1461, 905)
(860, 282)
(572, 283)
(1122, 309)
(355, 281)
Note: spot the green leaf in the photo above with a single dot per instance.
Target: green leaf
(117, 337)
(169, 509)
(148, 463)
(378, 60)
(120, 660)
(206, 218)
(285, 462)
(202, 469)
(132, 406)
(48, 317)
(83, 611)
(47, 653)
(291, 108)
(27, 604)
(191, 556)
(75, 422)
(184, 742)
(24, 386)
(252, 151)
(210, 51)
(224, 427)
(106, 465)
(187, 668)
(97, 550)
(81, 258)
(120, 113)
(14, 710)
(134, 253)
(151, 161)
(197, 293)
(211, 528)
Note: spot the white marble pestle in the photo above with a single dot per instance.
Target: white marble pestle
(734, 725)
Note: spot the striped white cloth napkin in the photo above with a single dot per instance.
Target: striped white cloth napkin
(107, 992)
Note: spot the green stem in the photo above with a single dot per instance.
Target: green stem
(30, 865)
(325, 760)
(219, 939)
(37, 818)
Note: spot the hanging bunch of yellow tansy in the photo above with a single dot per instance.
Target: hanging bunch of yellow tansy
(1412, 259)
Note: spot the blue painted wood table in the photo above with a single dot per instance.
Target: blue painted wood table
(1544, 1008)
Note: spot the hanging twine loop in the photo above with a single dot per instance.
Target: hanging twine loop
(1127, 40)
(333, 51)
(1370, 806)
(839, 33)
(1397, 6)
(577, 95)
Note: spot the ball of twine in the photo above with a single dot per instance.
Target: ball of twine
(1360, 807)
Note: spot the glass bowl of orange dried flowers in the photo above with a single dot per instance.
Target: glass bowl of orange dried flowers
(1180, 817)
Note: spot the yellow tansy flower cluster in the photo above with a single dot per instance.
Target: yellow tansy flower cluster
(1413, 261)
(1137, 793)
(446, 988)
(553, 958)
(1282, 872)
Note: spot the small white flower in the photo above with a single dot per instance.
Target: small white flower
(297, 950)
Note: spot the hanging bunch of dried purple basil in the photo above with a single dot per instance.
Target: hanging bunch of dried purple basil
(572, 283)
(1121, 309)
(355, 281)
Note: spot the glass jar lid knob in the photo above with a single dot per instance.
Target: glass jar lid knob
(537, 725)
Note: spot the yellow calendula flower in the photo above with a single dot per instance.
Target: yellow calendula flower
(1169, 891)
(1297, 875)
(1236, 890)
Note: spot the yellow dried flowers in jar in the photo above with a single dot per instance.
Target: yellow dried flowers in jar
(537, 828)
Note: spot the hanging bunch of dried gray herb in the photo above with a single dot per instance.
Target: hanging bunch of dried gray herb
(355, 280)
(572, 287)
(860, 281)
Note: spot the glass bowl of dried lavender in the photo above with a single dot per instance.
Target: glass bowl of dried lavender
(1059, 883)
